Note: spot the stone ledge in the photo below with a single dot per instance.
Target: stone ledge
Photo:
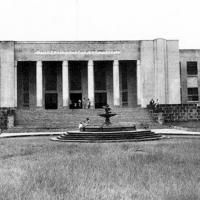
(175, 112)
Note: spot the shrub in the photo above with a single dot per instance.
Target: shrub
(4, 113)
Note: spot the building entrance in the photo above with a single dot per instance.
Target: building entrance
(100, 99)
(51, 71)
(77, 83)
(102, 83)
(76, 100)
(51, 101)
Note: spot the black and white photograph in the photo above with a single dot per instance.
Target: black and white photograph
(99, 100)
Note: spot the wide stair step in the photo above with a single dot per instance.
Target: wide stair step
(138, 135)
(31, 120)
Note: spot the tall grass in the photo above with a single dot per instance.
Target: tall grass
(41, 169)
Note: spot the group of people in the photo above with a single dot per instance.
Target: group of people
(85, 104)
(154, 104)
(83, 124)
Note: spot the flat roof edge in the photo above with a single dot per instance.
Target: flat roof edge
(81, 41)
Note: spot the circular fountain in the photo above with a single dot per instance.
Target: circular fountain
(107, 132)
(107, 115)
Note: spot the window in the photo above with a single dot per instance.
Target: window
(193, 94)
(192, 68)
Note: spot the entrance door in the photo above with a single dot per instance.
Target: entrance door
(100, 99)
(76, 100)
(51, 101)
(50, 71)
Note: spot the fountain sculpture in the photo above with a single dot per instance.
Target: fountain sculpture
(108, 132)
(107, 115)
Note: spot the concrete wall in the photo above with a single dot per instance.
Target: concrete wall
(173, 79)
(147, 72)
(160, 70)
(160, 75)
(128, 50)
(7, 74)
(177, 112)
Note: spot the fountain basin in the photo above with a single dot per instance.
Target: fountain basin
(107, 115)
(108, 132)
(109, 136)
(108, 128)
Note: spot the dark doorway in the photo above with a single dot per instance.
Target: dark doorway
(51, 70)
(102, 82)
(26, 84)
(100, 99)
(51, 101)
(76, 100)
(128, 76)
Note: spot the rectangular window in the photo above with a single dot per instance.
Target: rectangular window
(192, 68)
(193, 94)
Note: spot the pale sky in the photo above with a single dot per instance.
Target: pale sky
(101, 20)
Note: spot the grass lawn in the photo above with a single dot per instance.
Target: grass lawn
(37, 168)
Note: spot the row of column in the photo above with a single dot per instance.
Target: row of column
(65, 83)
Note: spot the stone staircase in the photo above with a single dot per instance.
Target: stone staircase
(116, 136)
(46, 120)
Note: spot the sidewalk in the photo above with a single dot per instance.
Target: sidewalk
(176, 132)
(165, 132)
(9, 135)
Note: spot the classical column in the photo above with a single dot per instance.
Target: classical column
(138, 82)
(91, 82)
(39, 84)
(15, 72)
(116, 89)
(65, 83)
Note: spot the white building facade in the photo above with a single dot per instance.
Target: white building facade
(56, 75)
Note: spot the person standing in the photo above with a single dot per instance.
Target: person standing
(84, 103)
(88, 103)
(79, 104)
(157, 105)
(80, 126)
